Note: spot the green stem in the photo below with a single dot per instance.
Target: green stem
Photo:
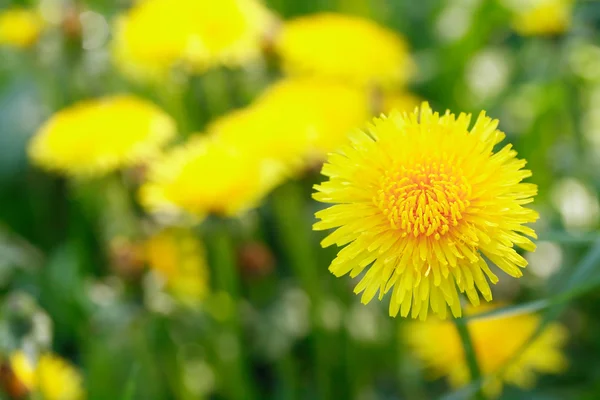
(173, 97)
(287, 372)
(470, 354)
(216, 92)
(292, 217)
(223, 258)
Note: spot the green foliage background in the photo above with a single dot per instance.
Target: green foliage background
(300, 333)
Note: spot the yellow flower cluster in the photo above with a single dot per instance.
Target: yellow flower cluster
(248, 152)
(498, 343)
(156, 35)
(20, 27)
(95, 137)
(419, 200)
(50, 376)
(179, 258)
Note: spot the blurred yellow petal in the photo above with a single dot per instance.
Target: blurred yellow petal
(156, 35)
(180, 259)
(50, 376)
(207, 176)
(345, 48)
(20, 27)
(95, 137)
(542, 17)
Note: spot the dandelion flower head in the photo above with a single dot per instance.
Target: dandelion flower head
(207, 176)
(345, 48)
(179, 258)
(497, 341)
(542, 17)
(51, 376)
(156, 35)
(418, 201)
(20, 27)
(95, 137)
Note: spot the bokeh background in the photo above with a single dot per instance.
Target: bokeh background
(103, 298)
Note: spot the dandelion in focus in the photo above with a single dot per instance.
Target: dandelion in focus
(95, 137)
(344, 48)
(50, 376)
(208, 176)
(542, 17)
(497, 341)
(179, 258)
(418, 200)
(156, 35)
(20, 27)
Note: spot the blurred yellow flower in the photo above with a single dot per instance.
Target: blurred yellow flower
(542, 17)
(95, 137)
(343, 47)
(398, 101)
(324, 111)
(51, 376)
(179, 258)
(208, 176)
(20, 27)
(156, 35)
(262, 132)
(419, 200)
(295, 120)
(497, 341)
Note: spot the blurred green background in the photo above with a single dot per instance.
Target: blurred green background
(283, 330)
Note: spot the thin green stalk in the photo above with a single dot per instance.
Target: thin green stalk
(223, 258)
(295, 235)
(173, 96)
(287, 372)
(293, 223)
(216, 92)
(470, 353)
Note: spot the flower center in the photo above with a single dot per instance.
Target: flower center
(423, 199)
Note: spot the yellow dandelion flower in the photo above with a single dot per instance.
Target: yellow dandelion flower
(497, 341)
(343, 47)
(20, 27)
(542, 17)
(52, 377)
(207, 176)
(419, 200)
(95, 137)
(155, 35)
(180, 259)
